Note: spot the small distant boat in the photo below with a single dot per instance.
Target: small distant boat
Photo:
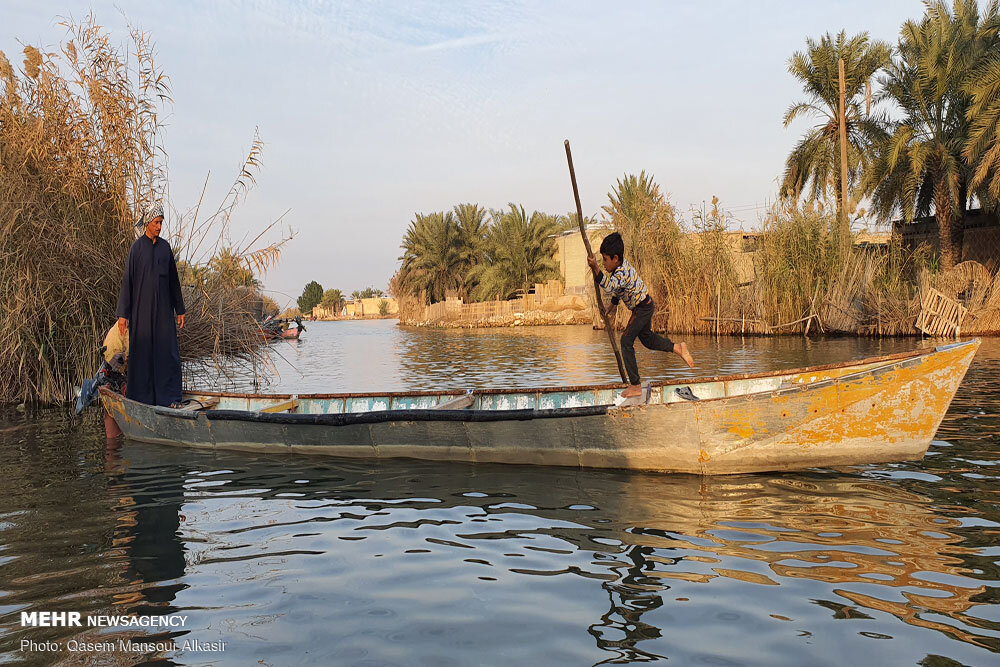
(275, 329)
(870, 411)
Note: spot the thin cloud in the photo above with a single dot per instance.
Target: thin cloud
(460, 43)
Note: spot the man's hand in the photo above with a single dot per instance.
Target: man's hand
(180, 321)
(611, 311)
(593, 264)
(122, 325)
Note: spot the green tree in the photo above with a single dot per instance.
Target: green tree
(813, 168)
(312, 294)
(644, 218)
(432, 256)
(228, 269)
(983, 86)
(920, 164)
(370, 293)
(472, 228)
(332, 298)
(269, 306)
(193, 275)
(518, 252)
(569, 222)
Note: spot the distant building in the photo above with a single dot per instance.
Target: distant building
(577, 277)
(980, 240)
(370, 307)
(572, 256)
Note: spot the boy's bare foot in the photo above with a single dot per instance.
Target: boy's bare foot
(682, 350)
(632, 390)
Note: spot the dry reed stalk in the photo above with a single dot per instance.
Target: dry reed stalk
(802, 276)
(80, 152)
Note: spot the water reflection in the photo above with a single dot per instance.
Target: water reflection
(262, 537)
(404, 562)
(82, 531)
(148, 530)
(382, 356)
(631, 595)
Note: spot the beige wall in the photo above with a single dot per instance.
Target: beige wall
(576, 276)
(980, 241)
(359, 308)
(572, 257)
(371, 306)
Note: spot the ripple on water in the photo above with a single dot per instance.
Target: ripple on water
(403, 562)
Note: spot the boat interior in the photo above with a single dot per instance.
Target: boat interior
(654, 393)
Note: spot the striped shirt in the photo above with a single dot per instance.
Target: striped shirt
(625, 284)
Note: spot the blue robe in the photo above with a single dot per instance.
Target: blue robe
(149, 299)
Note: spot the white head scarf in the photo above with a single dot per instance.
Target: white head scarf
(151, 210)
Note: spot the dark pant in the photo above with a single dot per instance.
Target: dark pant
(640, 329)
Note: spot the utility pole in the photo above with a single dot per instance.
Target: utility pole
(845, 229)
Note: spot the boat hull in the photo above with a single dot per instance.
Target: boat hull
(879, 410)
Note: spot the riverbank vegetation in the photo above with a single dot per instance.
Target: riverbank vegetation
(921, 122)
(791, 275)
(930, 143)
(80, 152)
(314, 295)
(478, 253)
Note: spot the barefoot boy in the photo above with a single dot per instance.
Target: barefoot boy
(623, 283)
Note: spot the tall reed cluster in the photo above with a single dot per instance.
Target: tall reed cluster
(792, 276)
(80, 152)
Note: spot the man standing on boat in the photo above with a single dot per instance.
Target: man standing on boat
(149, 299)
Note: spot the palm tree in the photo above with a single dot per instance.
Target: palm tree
(472, 228)
(646, 221)
(813, 167)
(920, 164)
(569, 222)
(431, 255)
(229, 269)
(333, 298)
(983, 86)
(518, 253)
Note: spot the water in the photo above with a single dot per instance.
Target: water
(295, 560)
(381, 356)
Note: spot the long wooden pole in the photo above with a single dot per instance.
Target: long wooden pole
(845, 227)
(597, 280)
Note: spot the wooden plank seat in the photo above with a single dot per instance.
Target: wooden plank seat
(285, 406)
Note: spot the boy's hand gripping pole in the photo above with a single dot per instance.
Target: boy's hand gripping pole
(597, 280)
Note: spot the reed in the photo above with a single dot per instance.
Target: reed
(80, 151)
(791, 277)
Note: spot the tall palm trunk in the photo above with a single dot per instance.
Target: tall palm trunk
(943, 213)
(842, 226)
(838, 198)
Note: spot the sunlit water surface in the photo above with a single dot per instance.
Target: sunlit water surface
(294, 560)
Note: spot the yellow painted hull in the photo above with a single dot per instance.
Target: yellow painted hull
(875, 410)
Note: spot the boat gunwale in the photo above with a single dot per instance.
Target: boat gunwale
(413, 415)
(521, 414)
(592, 387)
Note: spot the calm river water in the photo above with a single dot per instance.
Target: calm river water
(294, 560)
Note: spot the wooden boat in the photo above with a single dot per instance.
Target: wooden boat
(281, 329)
(874, 410)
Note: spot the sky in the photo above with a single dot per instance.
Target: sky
(371, 112)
